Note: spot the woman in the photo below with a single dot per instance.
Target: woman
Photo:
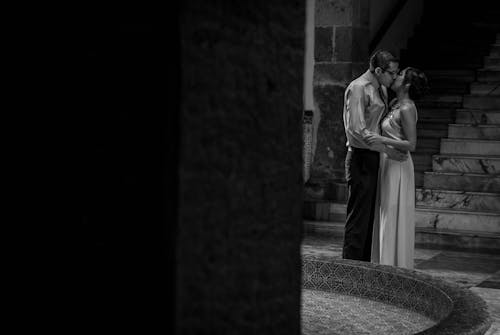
(394, 228)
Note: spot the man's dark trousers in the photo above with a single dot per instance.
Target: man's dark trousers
(361, 166)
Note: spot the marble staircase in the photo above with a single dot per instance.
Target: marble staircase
(457, 160)
(459, 200)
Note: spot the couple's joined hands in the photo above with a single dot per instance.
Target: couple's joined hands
(372, 138)
(395, 154)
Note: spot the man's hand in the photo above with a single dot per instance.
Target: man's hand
(395, 154)
(373, 138)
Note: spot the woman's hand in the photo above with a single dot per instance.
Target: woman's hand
(373, 138)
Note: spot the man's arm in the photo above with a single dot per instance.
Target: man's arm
(391, 152)
(356, 124)
(408, 121)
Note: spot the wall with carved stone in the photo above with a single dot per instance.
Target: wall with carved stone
(341, 54)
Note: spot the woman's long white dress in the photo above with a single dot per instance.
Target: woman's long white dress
(393, 240)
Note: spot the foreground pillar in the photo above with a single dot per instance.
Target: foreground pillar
(238, 246)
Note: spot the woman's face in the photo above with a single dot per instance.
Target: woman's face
(397, 84)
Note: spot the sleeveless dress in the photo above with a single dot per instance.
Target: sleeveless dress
(393, 241)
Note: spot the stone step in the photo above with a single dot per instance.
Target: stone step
(452, 219)
(316, 210)
(419, 178)
(432, 129)
(433, 119)
(495, 51)
(440, 100)
(487, 26)
(430, 217)
(469, 146)
(426, 41)
(428, 145)
(467, 55)
(473, 182)
(466, 164)
(445, 61)
(462, 12)
(441, 85)
(481, 102)
(452, 89)
(432, 133)
(481, 131)
(495, 47)
(465, 29)
(470, 241)
(428, 118)
(477, 116)
(492, 62)
(468, 201)
(425, 114)
(468, 36)
(424, 198)
(432, 125)
(324, 228)
(478, 88)
(325, 189)
(420, 170)
(476, 49)
(466, 62)
(451, 75)
(422, 160)
(326, 211)
(488, 75)
(426, 238)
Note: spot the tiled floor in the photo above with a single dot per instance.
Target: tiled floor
(478, 272)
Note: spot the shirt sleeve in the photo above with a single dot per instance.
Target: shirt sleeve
(356, 101)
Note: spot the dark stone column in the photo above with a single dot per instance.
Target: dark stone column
(341, 54)
(122, 108)
(238, 251)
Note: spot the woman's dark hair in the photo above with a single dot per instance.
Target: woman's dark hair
(418, 82)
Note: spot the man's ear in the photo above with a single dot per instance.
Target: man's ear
(378, 71)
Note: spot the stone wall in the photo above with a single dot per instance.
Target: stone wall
(240, 225)
(341, 54)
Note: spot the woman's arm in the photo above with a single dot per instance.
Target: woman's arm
(409, 123)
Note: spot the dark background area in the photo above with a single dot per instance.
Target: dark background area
(125, 124)
(127, 162)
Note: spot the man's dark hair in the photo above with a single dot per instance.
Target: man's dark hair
(381, 59)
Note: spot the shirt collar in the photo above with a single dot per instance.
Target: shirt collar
(371, 78)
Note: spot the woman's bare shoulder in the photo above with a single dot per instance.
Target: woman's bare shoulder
(408, 108)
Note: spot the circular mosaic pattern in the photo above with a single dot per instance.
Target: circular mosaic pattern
(334, 313)
(351, 297)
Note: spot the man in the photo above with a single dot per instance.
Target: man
(365, 103)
